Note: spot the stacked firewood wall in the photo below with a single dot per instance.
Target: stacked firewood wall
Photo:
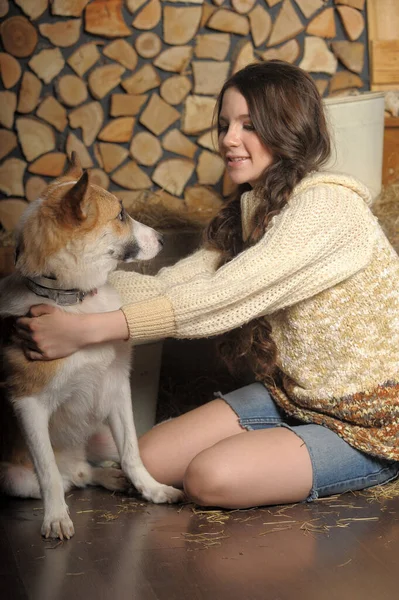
(130, 85)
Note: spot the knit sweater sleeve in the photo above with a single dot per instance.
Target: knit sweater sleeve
(136, 287)
(322, 236)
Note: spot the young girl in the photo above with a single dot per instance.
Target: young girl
(297, 273)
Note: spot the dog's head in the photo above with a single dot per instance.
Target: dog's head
(77, 232)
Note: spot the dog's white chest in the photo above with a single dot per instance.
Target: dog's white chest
(80, 394)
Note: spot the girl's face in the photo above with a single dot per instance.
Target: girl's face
(246, 157)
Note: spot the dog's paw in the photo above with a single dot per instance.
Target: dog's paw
(111, 479)
(161, 494)
(59, 527)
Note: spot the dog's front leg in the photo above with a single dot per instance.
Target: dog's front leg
(34, 418)
(124, 433)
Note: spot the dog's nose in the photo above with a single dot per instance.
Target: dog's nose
(160, 239)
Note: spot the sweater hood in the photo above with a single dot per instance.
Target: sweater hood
(249, 201)
(329, 178)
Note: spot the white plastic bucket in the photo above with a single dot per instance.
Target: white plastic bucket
(357, 130)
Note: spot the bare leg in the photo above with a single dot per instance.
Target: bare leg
(168, 448)
(222, 464)
(263, 467)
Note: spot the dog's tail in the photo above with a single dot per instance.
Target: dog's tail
(19, 480)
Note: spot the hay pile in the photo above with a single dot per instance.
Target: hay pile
(160, 217)
(386, 209)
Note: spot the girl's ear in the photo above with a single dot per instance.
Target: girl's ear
(74, 170)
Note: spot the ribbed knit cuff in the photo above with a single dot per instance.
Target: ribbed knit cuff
(150, 320)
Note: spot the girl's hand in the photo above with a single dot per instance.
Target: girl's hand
(49, 332)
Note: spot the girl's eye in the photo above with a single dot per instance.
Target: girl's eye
(222, 128)
(249, 127)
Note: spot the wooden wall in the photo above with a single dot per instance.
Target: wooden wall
(131, 86)
(383, 36)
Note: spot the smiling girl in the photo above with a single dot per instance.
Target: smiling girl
(299, 277)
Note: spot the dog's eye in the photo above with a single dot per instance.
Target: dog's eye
(122, 215)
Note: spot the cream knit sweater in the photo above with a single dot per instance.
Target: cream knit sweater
(326, 278)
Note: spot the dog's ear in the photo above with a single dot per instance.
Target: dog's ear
(72, 203)
(74, 169)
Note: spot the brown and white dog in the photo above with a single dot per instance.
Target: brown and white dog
(69, 240)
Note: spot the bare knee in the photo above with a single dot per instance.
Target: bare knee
(208, 481)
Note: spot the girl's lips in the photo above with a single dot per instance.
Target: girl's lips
(235, 161)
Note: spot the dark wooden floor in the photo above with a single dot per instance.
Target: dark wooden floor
(345, 548)
(342, 548)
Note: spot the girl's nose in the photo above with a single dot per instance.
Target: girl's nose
(231, 138)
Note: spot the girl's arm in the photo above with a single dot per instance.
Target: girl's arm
(322, 237)
(48, 332)
(134, 287)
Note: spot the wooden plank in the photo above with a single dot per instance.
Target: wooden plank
(384, 60)
(127, 548)
(383, 19)
(390, 163)
(384, 87)
(391, 122)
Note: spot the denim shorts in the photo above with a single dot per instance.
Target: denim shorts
(337, 467)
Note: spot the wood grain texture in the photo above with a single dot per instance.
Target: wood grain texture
(125, 548)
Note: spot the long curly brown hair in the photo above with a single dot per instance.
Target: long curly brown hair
(287, 113)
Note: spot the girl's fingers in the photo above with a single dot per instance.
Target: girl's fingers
(28, 345)
(33, 355)
(23, 324)
(23, 334)
(42, 309)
